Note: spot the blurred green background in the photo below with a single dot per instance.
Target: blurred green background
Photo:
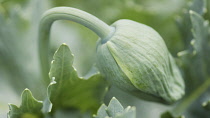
(19, 63)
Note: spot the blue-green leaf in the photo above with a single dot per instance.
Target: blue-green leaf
(130, 112)
(200, 30)
(199, 6)
(195, 58)
(67, 90)
(115, 110)
(29, 108)
(114, 107)
(102, 111)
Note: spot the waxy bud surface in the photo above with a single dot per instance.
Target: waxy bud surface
(136, 59)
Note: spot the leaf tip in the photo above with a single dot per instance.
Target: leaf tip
(26, 89)
(64, 44)
(113, 98)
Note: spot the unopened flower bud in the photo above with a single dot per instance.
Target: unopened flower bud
(136, 59)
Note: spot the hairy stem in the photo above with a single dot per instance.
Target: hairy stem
(186, 102)
(65, 13)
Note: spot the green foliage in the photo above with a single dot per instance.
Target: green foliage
(183, 23)
(115, 110)
(67, 90)
(195, 59)
(200, 30)
(29, 108)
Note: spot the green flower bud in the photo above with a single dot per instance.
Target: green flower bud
(136, 59)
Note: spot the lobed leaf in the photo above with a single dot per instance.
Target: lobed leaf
(200, 30)
(199, 6)
(29, 108)
(115, 110)
(67, 90)
(195, 58)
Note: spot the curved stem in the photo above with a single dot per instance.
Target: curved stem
(66, 13)
(186, 102)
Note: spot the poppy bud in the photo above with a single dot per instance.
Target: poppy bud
(136, 59)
